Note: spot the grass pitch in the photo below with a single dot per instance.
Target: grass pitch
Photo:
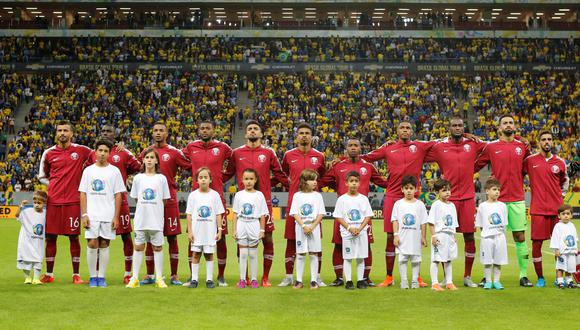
(64, 305)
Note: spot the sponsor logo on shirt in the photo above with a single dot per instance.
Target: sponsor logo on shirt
(306, 210)
(494, 219)
(148, 194)
(555, 169)
(116, 158)
(165, 157)
(408, 219)
(448, 220)
(215, 151)
(570, 241)
(262, 158)
(354, 215)
(413, 149)
(38, 229)
(98, 185)
(247, 209)
(203, 212)
(74, 156)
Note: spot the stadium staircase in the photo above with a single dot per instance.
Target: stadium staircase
(19, 117)
(238, 137)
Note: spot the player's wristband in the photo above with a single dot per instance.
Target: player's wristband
(396, 234)
(85, 215)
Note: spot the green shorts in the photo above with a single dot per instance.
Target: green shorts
(517, 216)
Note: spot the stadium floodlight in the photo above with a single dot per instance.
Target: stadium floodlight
(564, 9)
(472, 9)
(242, 12)
(31, 8)
(10, 12)
(557, 17)
(402, 13)
(125, 8)
(450, 9)
(82, 12)
(101, 8)
(497, 9)
(7, 8)
(515, 14)
(426, 9)
(57, 12)
(560, 14)
(494, 14)
(287, 9)
(404, 9)
(379, 9)
(512, 17)
(540, 14)
(309, 9)
(219, 9)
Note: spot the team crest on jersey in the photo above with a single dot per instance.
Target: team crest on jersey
(413, 148)
(518, 151)
(247, 209)
(448, 220)
(354, 215)
(215, 151)
(494, 219)
(555, 169)
(98, 185)
(116, 158)
(466, 148)
(165, 157)
(204, 212)
(306, 209)
(363, 171)
(569, 241)
(148, 194)
(74, 156)
(262, 158)
(314, 160)
(38, 229)
(408, 219)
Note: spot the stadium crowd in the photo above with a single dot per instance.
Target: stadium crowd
(252, 50)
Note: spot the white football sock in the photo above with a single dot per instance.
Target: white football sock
(314, 276)
(209, 270)
(487, 273)
(360, 269)
(403, 271)
(415, 268)
(158, 260)
(36, 273)
(253, 252)
(347, 269)
(137, 260)
(300, 260)
(448, 272)
(92, 257)
(243, 263)
(434, 270)
(103, 262)
(194, 271)
(496, 273)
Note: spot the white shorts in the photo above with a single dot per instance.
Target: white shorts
(155, 237)
(355, 247)
(28, 265)
(248, 232)
(100, 229)
(209, 249)
(446, 250)
(308, 243)
(414, 259)
(493, 250)
(566, 263)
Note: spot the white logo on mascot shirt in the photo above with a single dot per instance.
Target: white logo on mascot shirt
(413, 149)
(262, 158)
(116, 158)
(74, 156)
(518, 150)
(165, 157)
(466, 147)
(363, 171)
(314, 160)
(555, 169)
(215, 151)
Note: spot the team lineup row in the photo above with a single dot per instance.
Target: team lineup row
(459, 157)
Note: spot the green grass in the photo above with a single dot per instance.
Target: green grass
(63, 305)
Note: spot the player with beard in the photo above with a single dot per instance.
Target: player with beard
(506, 157)
(549, 183)
(213, 154)
(61, 169)
(254, 155)
(456, 157)
(293, 163)
(171, 159)
(336, 177)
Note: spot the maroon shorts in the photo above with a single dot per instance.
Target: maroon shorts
(172, 224)
(465, 215)
(63, 219)
(542, 226)
(124, 221)
(337, 239)
(389, 203)
(269, 221)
